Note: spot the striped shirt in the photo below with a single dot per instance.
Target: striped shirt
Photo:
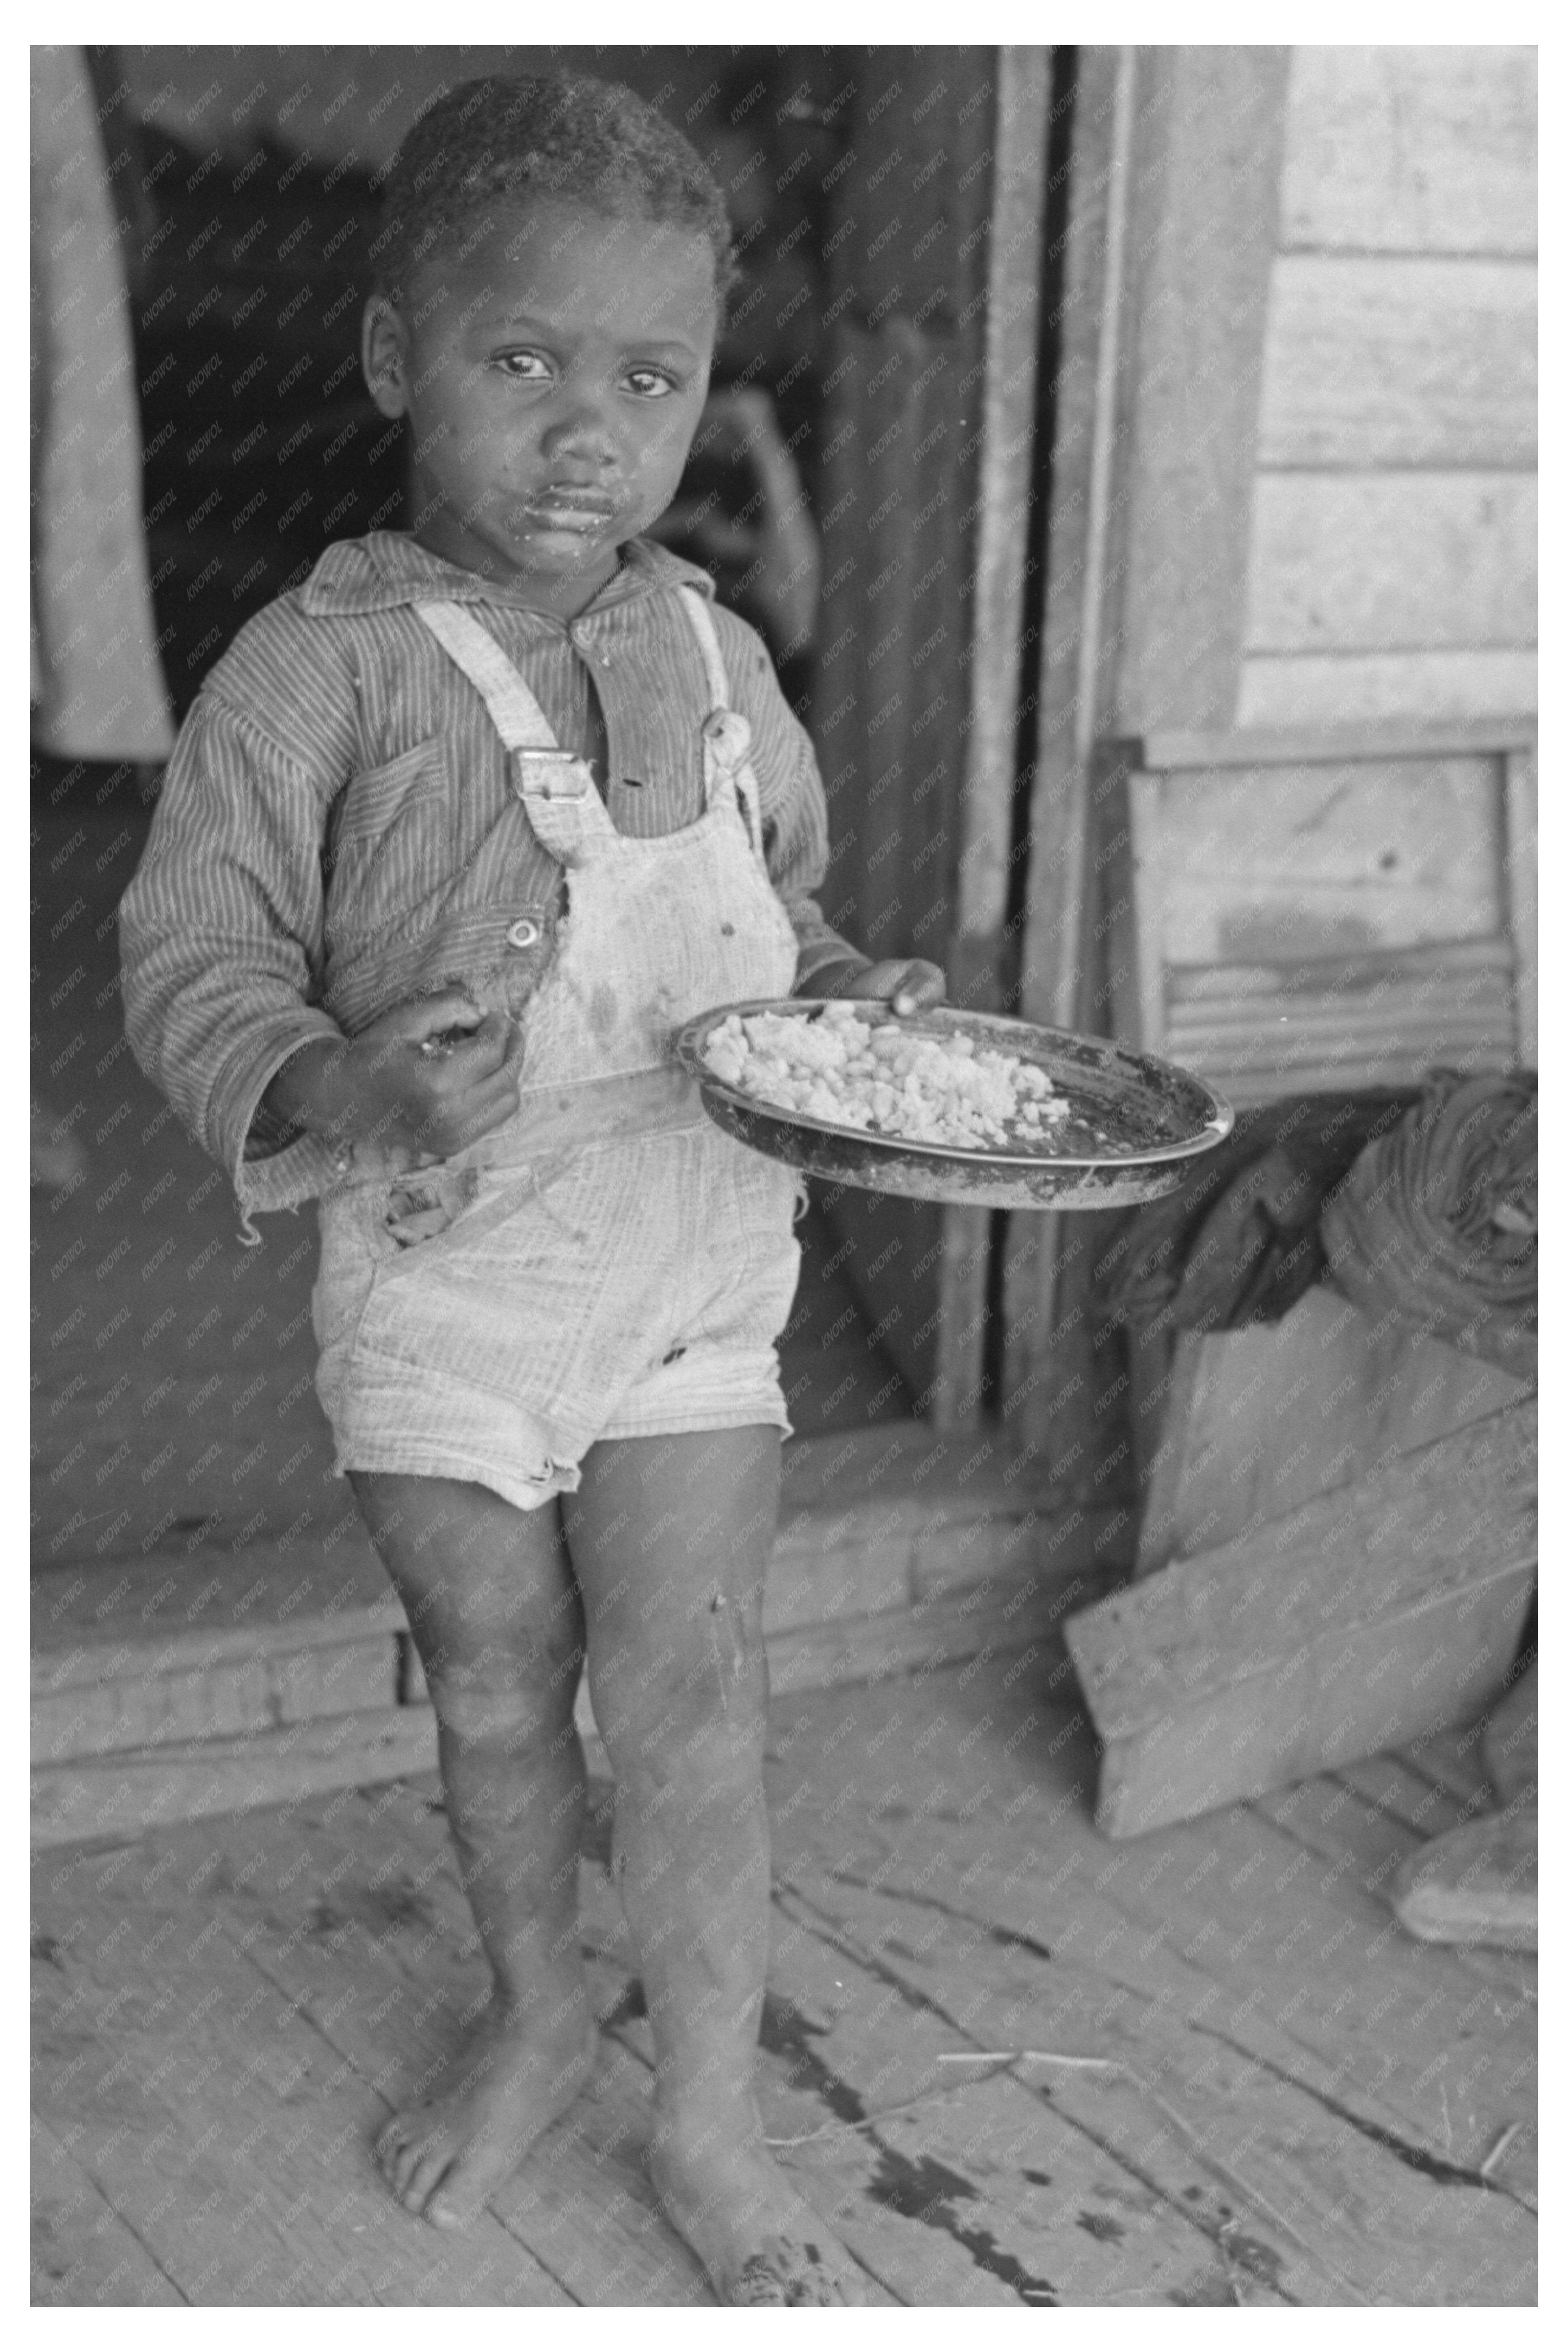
(337, 832)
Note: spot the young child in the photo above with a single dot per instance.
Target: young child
(456, 836)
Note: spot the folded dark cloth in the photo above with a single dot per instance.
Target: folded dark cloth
(1436, 1224)
(1239, 1243)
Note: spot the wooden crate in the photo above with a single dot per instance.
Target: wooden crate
(1288, 914)
(1257, 1421)
(1365, 1619)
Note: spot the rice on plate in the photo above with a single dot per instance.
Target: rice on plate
(888, 1080)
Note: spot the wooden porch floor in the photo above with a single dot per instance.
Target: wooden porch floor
(1014, 2061)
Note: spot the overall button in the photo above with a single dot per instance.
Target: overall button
(522, 933)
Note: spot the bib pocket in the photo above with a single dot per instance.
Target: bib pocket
(388, 844)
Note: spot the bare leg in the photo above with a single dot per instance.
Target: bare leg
(669, 1537)
(496, 1615)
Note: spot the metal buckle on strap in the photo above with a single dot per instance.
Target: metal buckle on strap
(550, 774)
(729, 732)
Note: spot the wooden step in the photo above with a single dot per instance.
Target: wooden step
(200, 1682)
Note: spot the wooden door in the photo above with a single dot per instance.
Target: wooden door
(925, 449)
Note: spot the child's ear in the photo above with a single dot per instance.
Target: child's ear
(383, 356)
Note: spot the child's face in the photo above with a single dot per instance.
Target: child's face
(553, 378)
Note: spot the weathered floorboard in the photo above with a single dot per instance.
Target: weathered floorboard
(1302, 2099)
(81, 2250)
(1299, 2057)
(222, 2129)
(1225, 1922)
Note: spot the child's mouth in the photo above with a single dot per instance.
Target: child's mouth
(561, 507)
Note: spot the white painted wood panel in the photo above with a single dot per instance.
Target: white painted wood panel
(1296, 689)
(1289, 863)
(1379, 361)
(1415, 149)
(1365, 562)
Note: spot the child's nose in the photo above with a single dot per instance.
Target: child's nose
(583, 428)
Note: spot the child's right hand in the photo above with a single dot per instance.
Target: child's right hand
(424, 1080)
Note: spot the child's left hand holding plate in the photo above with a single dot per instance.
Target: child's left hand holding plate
(908, 983)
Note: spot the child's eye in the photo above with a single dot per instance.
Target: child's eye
(651, 383)
(524, 367)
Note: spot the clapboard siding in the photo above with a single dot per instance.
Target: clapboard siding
(1347, 562)
(1298, 689)
(1313, 414)
(1379, 361)
(1411, 150)
(1392, 558)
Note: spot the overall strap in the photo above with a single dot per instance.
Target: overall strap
(726, 734)
(520, 723)
(701, 619)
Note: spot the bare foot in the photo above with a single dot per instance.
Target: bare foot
(758, 2241)
(513, 2076)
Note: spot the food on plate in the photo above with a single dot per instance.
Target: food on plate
(890, 1080)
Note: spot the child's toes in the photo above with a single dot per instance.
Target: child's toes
(449, 2211)
(414, 2153)
(392, 2150)
(424, 2176)
(785, 2276)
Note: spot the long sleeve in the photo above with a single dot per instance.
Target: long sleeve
(221, 943)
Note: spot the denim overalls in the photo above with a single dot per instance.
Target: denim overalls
(608, 1263)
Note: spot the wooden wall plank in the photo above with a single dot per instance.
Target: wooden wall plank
(1092, 400)
(1176, 156)
(1385, 361)
(1039, 1363)
(1203, 238)
(1398, 739)
(1008, 463)
(1293, 689)
(1287, 863)
(985, 815)
(1414, 149)
(132, 1789)
(1376, 563)
(1523, 893)
(129, 1709)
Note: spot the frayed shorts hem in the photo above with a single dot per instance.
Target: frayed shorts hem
(656, 1421)
(412, 1462)
(527, 1493)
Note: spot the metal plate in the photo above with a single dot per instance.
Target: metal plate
(1157, 1121)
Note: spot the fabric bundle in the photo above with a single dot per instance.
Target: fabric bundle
(1239, 1243)
(1436, 1224)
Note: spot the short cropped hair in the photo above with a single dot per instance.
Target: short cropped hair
(546, 138)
